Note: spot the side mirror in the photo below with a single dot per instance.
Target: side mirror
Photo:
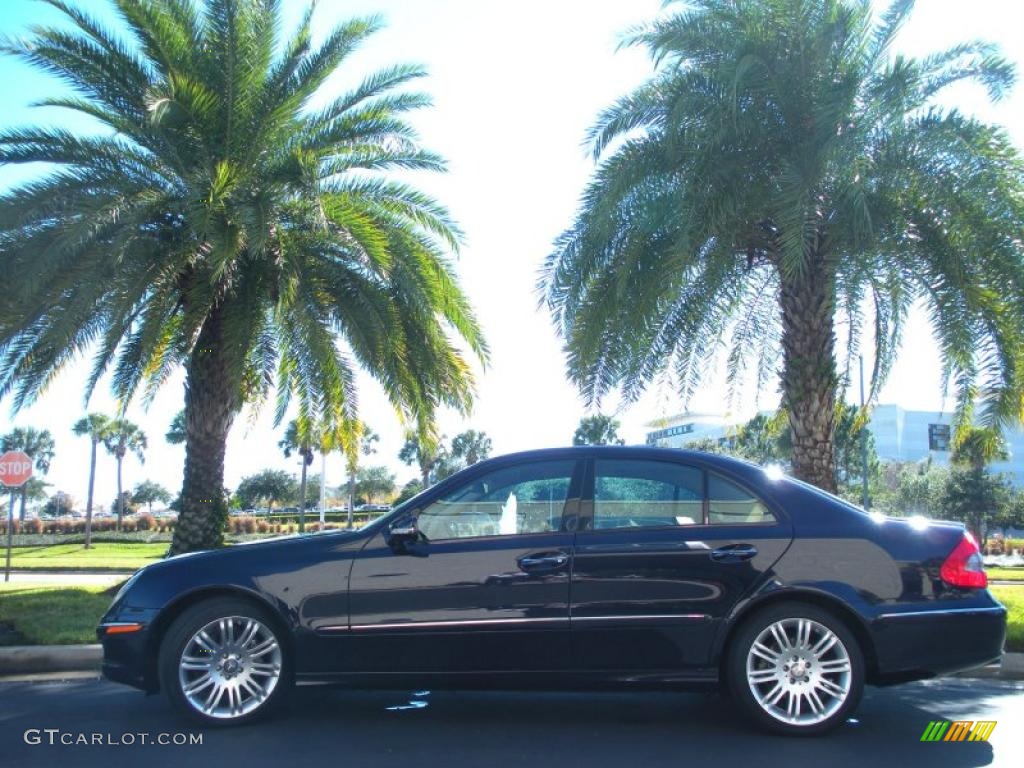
(403, 533)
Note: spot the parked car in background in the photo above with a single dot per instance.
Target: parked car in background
(590, 567)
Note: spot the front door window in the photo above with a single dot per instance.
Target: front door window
(528, 498)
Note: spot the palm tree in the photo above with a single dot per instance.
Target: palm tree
(226, 225)
(176, 434)
(94, 426)
(300, 438)
(426, 452)
(120, 437)
(597, 430)
(354, 438)
(783, 168)
(38, 444)
(367, 440)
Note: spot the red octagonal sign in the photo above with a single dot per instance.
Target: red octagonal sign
(15, 469)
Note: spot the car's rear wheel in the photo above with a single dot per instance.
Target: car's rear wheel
(223, 661)
(796, 669)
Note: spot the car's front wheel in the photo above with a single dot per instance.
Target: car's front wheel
(796, 669)
(223, 661)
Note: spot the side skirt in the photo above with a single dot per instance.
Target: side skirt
(606, 680)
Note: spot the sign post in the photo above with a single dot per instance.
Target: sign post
(15, 470)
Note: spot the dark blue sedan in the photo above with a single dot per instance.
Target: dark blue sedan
(593, 567)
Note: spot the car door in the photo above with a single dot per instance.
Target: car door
(664, 552)
(485, 586)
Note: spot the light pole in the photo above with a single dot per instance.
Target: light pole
(323, 489)
(865, 498)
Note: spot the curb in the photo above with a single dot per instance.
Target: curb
(24, 659)
(1011, 668)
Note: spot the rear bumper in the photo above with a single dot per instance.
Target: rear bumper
(919, 644)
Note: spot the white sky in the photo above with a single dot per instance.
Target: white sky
(515, 87)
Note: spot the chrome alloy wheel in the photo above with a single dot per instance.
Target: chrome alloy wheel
(799, 671)
(230, 667)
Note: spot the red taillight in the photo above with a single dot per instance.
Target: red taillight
(963, 567)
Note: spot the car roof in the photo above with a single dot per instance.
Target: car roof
(727, 463)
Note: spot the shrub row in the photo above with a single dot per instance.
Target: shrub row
(247, 524)
(75, 525)
(997, 545)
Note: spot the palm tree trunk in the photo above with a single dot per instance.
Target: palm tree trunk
(302, 498)
(24, 496)
(88, 502)
(210, 407)
(120, 498)
(809, 379)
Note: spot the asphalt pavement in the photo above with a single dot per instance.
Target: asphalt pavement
(325, 726)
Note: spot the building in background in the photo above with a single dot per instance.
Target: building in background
(900, 435)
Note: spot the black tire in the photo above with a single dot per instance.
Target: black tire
(187, 625)
(741, 692)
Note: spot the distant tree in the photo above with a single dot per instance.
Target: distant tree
(271, 486)
(597, 430)
(425, 454)
(120, 437)
(851, 423)
(763, 440)
(467, 449)
(125, 504)
(176, 433)
(910, 489)
(708, 445)
(976, 498)
(35, 489)
(301, 437)
(409, 490)
(95, 427)
(148, 492)
(355, 439)
(375, 483)
(58, 505)
(38, 444)
(977, 447)
(972, 494)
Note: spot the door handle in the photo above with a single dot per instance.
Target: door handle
(734, 553)
(543, 562)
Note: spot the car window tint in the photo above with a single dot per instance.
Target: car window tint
(528, 498)
(728, 503)
(631, 494)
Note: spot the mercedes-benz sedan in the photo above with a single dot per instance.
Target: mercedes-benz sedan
(592, 567)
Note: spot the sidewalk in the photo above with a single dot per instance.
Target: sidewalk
(69, 578)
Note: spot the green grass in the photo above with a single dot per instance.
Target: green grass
(51, 615)
(1013, 599)
(1006, 574)
(102, 556)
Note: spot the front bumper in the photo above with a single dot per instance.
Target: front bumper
(126, 660)
(920, 644)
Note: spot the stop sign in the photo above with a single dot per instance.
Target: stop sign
(15, 469)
